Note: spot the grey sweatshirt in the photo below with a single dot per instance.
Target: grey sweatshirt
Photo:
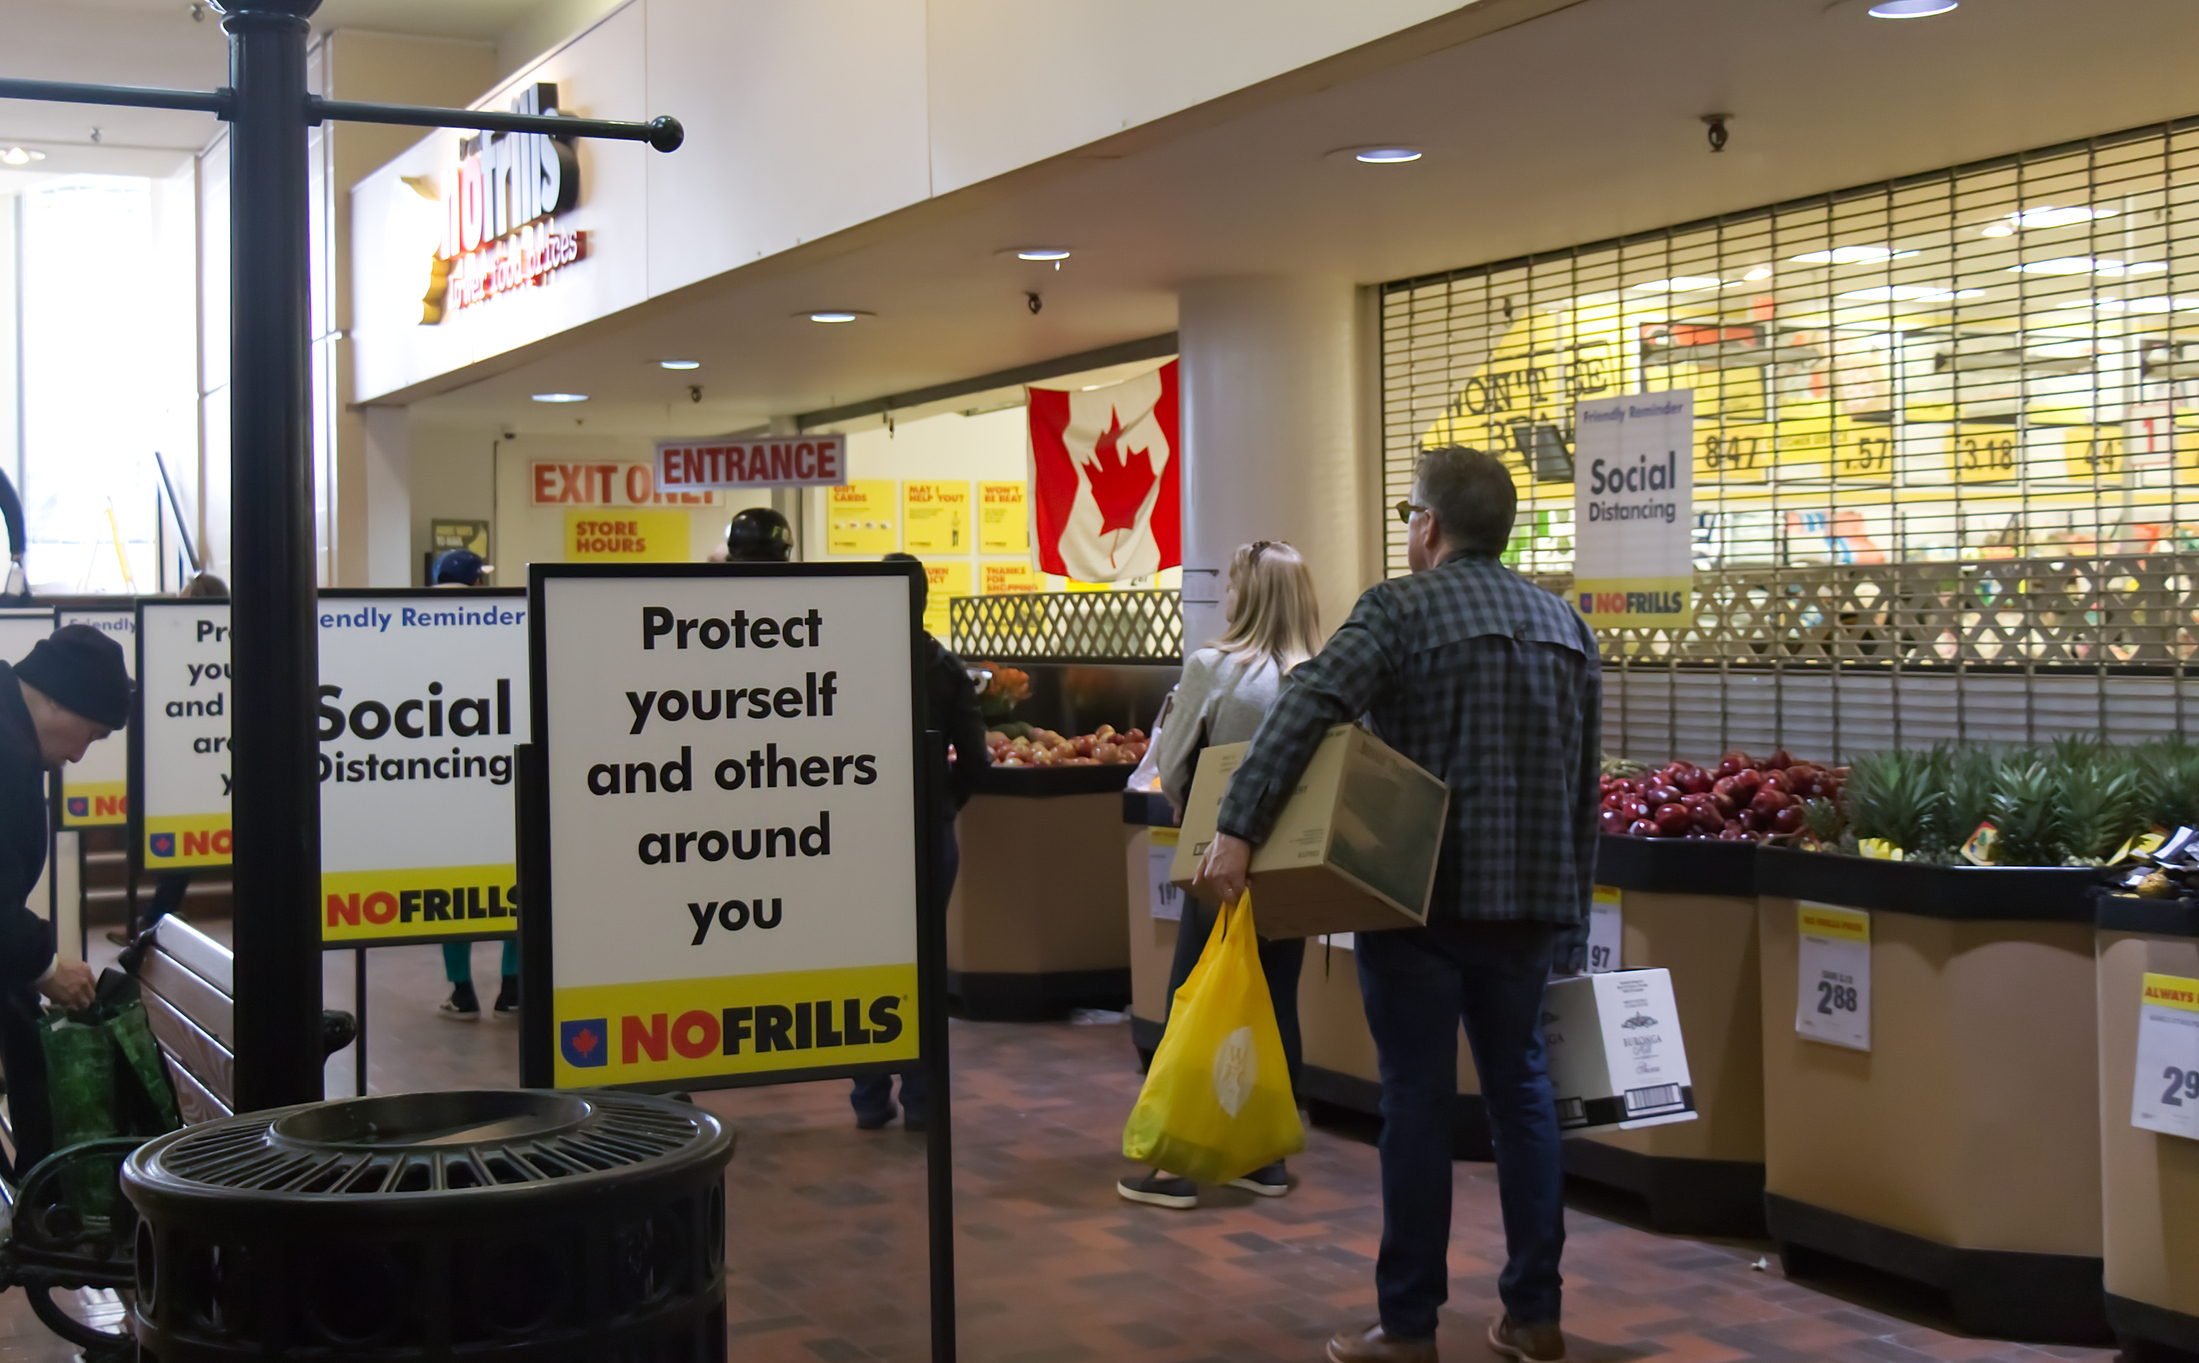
(1221, 698)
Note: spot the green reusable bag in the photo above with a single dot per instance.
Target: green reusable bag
(104, 1077)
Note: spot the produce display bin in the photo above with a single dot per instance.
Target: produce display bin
(1963, 1150)
(1152, 940)
(1340, 1071)
(1035, 925)
(1690, 907)
(2149, 1180)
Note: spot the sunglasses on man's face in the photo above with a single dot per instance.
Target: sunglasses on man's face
(1408, 509)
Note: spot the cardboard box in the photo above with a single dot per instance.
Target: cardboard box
(1353, 851)
(1616, 1058)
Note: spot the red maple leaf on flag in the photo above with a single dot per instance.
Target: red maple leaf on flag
(1119, 486)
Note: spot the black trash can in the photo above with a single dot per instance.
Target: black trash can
(499, 1225)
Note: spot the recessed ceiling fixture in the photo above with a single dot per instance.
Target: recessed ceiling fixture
(2044, 216)
(833, 315)
(1851, 255)
(1910, 293)
(2104, 266)
(1912, 9)
(561, 397)
(20, 156)
(1387, 156)
(1686, 283)
(1758, 275)
(679, 364)
(1042, 253)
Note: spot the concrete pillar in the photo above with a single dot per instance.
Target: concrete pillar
(1276, 438)
(387, 470)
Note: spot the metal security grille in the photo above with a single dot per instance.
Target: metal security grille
(1946, 430)
(1088, 627)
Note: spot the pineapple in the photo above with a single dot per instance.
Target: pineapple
(2027, 811)
(2169, 771)
(1893, 795)
(2103, 802)
(1969, 774)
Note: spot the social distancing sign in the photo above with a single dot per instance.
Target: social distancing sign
(729, 758)
(179, 745)
(95, 792)
(423, 697)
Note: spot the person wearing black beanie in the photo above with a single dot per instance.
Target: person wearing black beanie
(68, 693)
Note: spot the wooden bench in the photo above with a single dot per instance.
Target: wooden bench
(190, 1000)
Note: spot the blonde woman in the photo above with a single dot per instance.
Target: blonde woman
(1226, 690)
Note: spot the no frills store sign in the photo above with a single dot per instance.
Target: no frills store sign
(730, 812)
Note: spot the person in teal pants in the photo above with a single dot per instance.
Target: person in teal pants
(463, 1005)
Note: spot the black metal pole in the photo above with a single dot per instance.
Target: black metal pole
(931, 1023)
(359, 1003)
(274, 797)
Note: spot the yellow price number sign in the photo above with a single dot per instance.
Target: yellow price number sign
(1983, 453)
(1735, 454)
(1849, 450)
(2094, 454)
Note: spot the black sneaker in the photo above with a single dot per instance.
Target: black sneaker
(1269, 1180)
(507, 998)
(461, 1006)
(1160, 1190)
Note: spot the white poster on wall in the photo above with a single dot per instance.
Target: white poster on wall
(2166, 1096)
(1833, 982)
(96, 791)
(1634, 522)
(179, 746)
(423, 698)
(730, 763)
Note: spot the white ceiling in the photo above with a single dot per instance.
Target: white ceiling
(1575, 126)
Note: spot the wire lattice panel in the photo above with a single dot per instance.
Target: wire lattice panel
(1144, 627)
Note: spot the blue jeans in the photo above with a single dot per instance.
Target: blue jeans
(1419, 984)
(872, 1097)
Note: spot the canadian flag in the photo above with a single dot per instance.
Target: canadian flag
(1107, 496)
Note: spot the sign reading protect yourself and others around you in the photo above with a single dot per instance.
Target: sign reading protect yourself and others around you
(730, 762)
(423, 697)
(95, 791)
(179, 746)
(1634, 509)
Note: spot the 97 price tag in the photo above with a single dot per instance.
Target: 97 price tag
(2166, 1095)
(1833, 986)
(1606, 926)
(1166, 899)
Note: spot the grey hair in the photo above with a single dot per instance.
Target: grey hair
(1472, 495)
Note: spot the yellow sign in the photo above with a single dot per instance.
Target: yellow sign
(859, 518)
(1609, 894)
(1003, 525)
(741, 1024)
(1008, 577)
(937, 516)
(1735, 454)
(1838, 925)
(2170, 991)
(186, 840)
(1637, 602)
(1983, 453)
(626, 536)
(435, 901)
(89, 804)
(2094, 454)
(945, 582)
(1850, 450)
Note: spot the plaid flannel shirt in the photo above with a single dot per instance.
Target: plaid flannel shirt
(1492, 684)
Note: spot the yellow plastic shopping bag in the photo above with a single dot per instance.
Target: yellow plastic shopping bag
(1217, 1102)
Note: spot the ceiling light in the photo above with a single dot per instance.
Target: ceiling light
(2047, 215)
(561, 397)
(833, 315)
(1387, 156)
(1852, 255)
(1910, 293)
(679, 364)
(18, 156)
(1999, 229)
(2100, 265)
(1685, 283)
(1911, 9)
(1042, 253)
(2153, 303)
(1761, 272)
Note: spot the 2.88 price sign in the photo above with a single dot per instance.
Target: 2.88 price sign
(1833, 984)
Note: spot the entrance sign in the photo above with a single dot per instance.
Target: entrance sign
(1833, 986)
(1634, 523)
(817, 460)
(96, 791)
(2166, 1098)
(179, 742)
(726, 827)
(423, 698)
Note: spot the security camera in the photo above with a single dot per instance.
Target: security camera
(1033, 302)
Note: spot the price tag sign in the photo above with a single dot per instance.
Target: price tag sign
(1160, 863)
(2166, 1095)
(1833, 989)
(1606, 922)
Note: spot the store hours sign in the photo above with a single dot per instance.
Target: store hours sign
(729, 821)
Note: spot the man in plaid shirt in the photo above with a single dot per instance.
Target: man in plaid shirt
(1491, 683)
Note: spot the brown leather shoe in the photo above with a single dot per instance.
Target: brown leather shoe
(1528, 1343)
(1374, 1345)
